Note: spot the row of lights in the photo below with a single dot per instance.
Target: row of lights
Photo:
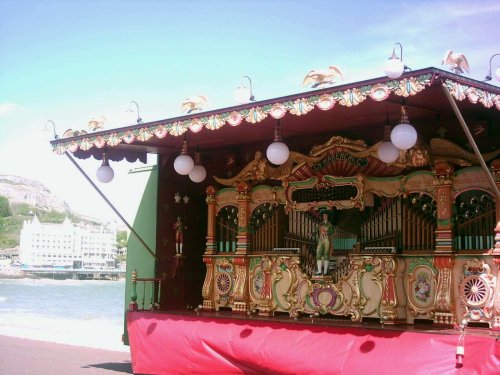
(401, 138)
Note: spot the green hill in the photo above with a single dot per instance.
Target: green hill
(20, 200)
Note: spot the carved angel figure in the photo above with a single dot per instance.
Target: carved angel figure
(457, 62)
(261, 169)
(95, 124)
(316, 78)
(195, 103)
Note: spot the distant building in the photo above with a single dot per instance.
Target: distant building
(67, 245)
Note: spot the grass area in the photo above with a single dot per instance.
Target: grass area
(10, 230)
(10, 226)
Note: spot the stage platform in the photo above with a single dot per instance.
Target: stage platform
(226, 343)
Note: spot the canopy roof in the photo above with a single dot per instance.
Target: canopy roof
(356, 110)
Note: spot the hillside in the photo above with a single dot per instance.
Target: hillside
(20, 199)
(19, 190)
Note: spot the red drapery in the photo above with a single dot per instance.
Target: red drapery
(164, 343)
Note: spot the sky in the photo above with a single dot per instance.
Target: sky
(71, 61)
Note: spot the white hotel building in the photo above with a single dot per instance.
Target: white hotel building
(67, 245)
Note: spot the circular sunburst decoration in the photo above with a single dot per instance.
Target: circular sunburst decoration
(474, 290)
(223, 283)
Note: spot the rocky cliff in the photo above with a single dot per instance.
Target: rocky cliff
(20, 190)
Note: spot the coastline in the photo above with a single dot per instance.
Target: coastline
(94, 334)
(83, 313)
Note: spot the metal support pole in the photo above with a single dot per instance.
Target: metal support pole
(471, 141)
(111, 205)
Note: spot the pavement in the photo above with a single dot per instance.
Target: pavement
(23, 356)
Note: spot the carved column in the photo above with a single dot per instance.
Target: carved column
(212, 216)
(390, 302)
(495, 166)
(444, 232)
(208, 284)
(243, 198)
(444, 301)
(241, 296)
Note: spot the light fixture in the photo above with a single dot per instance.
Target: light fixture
(404, 135)
(184, 164)
(394, 67)
(244, 94)
(50, 126)
(277, 152)
(199, 172)
(139, 119)
(105, 173)
(497, 70)
(387, 152)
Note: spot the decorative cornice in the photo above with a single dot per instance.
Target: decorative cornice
(298, 105)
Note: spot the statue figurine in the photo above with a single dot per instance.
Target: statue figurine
(324, 248)
(179, 228)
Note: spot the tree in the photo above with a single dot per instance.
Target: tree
(4, 207)
(121, 239)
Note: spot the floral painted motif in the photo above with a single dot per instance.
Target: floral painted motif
(128, 137)
(458, 91)
(255, 115)
(177, 129)
(379, 92)
(473, 95)
(409, 87)
(144, 134)
(234, 118)
(160, 131)
(99, 142)
(352, 97)
(277, 111)
(196, 125)
(422, 287)
(73, 146)
(486, 99)
(86, 144)
(214, 122)
(113, 139)
(301, 107)
(325, 102)
(259, 282)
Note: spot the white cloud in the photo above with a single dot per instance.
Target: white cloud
(6, 108)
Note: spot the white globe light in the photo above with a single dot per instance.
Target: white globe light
(393, 68)
(387, 152)
(277, 153)
(198, 173)
(242, 94)
(404, 136)
(105, 173)
(183, 164)
(497, 74)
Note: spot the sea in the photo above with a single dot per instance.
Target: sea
(87, 313)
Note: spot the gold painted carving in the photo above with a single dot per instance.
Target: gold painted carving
(261, 169)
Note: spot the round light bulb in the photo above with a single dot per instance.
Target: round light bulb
(198, 173)
(183, 164)
(404, 136)
(277, 153)
(242, 94)
(387, 152)
(497, 74)
(105, 173)
(393, 68)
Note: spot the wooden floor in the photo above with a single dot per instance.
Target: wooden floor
(339, 321)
